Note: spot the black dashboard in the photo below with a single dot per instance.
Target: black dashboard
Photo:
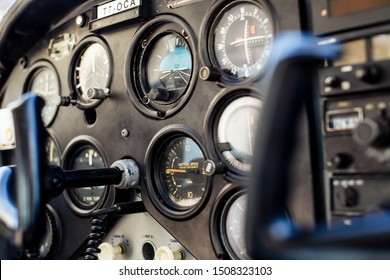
(175, 88)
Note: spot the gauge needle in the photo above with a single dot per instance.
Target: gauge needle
(248, 58)
(90, 159)
(174, 170)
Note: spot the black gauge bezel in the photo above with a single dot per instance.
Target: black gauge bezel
(212, 18)
(54, 137)
(219, 212)
(216, 108)
(155, 149)
(33, 71)
(77, 54)
(140, 46)
(76, 145)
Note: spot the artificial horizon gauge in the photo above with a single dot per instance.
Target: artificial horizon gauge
(183, 183)
(235, 132)
(92, 70)
(241, 39)
(87, 157)
(44, 82)
(161, 65)
(168, 68)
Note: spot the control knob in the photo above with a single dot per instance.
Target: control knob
(371, 132)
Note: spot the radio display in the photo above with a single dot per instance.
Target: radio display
(345, 7)
(341, 120)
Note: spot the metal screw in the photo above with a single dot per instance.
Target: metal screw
(324, 12)
(125, 132)
(80, 20)
(184, 33)
(23, 62)
(144, 43)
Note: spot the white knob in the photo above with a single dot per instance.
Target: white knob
(108, 252)
(164, 253)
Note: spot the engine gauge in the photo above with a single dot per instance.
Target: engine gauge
(241, 39)
(44, 82)
(78, 156)
(176, 182)
(87, 158)
(92, 69)
(236, 131)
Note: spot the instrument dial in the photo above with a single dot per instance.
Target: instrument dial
(236, 132)
(87, 158)
(242, 40)
(44, 82)
(52, 152)
(180, 173)
(233, 225)
(168, 69)
(92, 70)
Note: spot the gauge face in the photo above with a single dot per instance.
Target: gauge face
(168, 68)
(52, 152)
(45, 83)
(180, 173)
(234, 225)
(236, 132)
(242, 40)
(92, 71)
(87, 158)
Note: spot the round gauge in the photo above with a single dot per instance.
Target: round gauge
(233, 226)
(161, 65)
(241, 39)
(180, 173)
(176, 182)
(236, 132)
(168, 68)
(45, 83)
(52, 152)
(92, 70)
(87, 157)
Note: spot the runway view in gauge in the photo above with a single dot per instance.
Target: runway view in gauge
(236, 132)
(180, 173)
(168, 68)
(242, 40)
(87, 158)
(45, 83)
(92, 71)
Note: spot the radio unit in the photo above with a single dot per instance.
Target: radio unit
(354, 94)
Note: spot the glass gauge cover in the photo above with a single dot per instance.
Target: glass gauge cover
(52, 152)
(92, 70)
(242, 39)
(180, 175)
(87, 158)
(44, 82)
(236, 132)
(168, 68)
(233, 226)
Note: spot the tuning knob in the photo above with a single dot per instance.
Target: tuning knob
(371, 132)
(109, 252)
(369, 74)
(165, 253)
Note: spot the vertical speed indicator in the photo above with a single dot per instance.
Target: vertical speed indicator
(241, 40)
